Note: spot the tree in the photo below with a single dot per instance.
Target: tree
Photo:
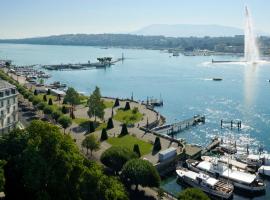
(110, 123)
(2, 177)
(115, 157)
(104, 135)
(47, 110)
(96, 105)
(56, 114)
(45, 97)
(36, 101)
(116, 103)
(111, 188)
(35, 92)
(42, 163)
(136, 149)
(41, 105)
(73, 98)
(91, 142)
(193, 193)
(50, 102)
(127, 106)
(49, 92)
(124, 130)
(64, 110)
(140, 172)
(91, 127)
(65, 122)
(157, 144)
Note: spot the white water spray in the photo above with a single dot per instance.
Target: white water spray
(251, 47)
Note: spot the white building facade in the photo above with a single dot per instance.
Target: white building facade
(8, 107)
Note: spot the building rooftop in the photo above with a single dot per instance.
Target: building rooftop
(5, 85)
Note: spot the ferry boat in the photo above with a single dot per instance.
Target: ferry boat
(206, 183)
(236, 165)
(241, 180)
(217, 79)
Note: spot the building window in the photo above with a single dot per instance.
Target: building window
(13, 91)
(14, 108)
(14, 118)
(7, 92)
(2, 104)
(8, 102)
(1, 94)
(14, 100)
(8, 120)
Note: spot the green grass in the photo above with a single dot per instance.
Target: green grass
(83, 122)
(128, 117)
(80, 121)
(129, 141)
(108, 104)
(40, 96)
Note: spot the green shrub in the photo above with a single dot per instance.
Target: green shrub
(110, 123)
(136, 149)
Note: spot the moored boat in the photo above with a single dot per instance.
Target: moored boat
(241, 180)
(206, 183)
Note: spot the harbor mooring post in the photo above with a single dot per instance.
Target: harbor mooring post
(221, 123)
(231, 124)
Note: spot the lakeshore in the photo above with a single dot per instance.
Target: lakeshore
(180, 106)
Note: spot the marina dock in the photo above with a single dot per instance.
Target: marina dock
(103, 63)
(172, 129)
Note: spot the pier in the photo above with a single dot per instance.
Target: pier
(172, 129)
(231, 124)
(103, 63)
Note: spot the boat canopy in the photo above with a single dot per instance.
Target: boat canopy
(226, 172)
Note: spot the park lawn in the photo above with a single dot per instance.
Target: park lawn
(85, 123)
(129, 141)
(40, 96)
(128, 117)
(108, 103)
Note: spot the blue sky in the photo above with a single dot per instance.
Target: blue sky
(27, 18)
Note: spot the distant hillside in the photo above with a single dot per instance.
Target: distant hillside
(222, 44)
(132, 41)
(188, 30)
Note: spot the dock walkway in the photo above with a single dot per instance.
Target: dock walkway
(172, 129)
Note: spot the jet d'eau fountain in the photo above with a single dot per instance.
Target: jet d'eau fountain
(251, 47)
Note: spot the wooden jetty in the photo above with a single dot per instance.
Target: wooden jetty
(172, 129)
(231, 124)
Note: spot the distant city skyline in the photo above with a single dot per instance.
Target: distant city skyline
(31, 18)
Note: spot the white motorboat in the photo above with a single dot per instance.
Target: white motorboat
(206, 183)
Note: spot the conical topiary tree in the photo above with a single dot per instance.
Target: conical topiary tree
(35, 92)
(110, 123)
(157, 144)
(116, 103)
(64, 110)
(50, 101)
(127, 106)
(91, 127)
(104, 135)
(48, 91)
(45, 97)
(136, 149)
(124, 130)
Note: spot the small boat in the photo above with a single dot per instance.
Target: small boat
(175, 54)
(217, 79)
(206, 183)
(264, 170)
(241, 180)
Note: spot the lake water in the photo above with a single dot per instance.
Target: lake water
(183, 82)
